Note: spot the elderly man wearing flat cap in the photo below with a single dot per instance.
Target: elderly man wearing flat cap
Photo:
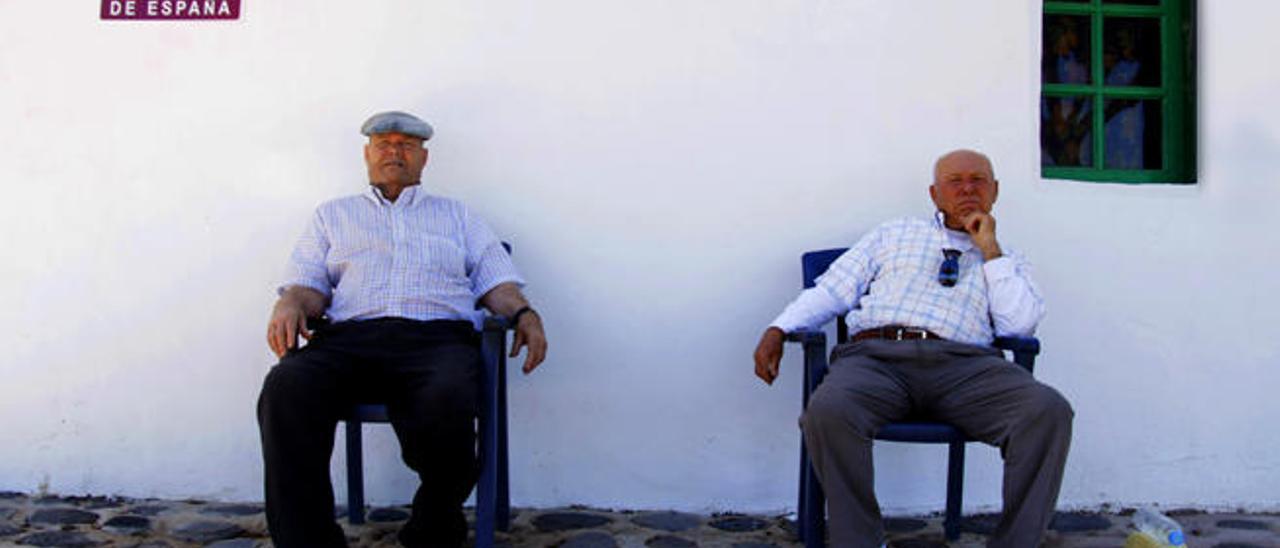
(400, 274)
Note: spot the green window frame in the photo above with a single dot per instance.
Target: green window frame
(1176, 91)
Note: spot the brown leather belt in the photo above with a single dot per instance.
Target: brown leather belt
(896, 333)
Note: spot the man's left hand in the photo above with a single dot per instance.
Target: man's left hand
(506, 300)
(982, 228)
(529, 334)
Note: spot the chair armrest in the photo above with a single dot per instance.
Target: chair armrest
(496, 323)
(807, 336)
(1018, 344)
(317, 322)
(493, 343)
(815, 358)
(1025, 349)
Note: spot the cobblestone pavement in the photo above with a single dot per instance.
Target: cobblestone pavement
(27, 520)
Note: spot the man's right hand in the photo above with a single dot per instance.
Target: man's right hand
(289, 318)
(769, 354)
(287, 322)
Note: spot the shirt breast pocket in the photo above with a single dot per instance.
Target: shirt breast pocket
(442, 257)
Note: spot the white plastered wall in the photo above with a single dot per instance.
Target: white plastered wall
(658, 167)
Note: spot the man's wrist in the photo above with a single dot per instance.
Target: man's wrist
(515, 318)
(991, 251)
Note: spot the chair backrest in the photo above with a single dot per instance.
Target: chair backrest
(813, 264)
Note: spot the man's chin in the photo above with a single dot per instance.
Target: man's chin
(395, 175)
(391, 182)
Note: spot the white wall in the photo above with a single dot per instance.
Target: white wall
(659, 167)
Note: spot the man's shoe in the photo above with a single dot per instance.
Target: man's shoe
(447, 532)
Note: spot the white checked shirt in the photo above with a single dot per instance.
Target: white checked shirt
(421, 257)
(890, 277)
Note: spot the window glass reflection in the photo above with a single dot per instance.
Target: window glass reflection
(1132, 136)
(1065, 131)
(1131, 51)
(1066, 50)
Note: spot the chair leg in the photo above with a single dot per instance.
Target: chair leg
(487, 486)
(802, 508)
(955, 489)
(813, 515)
(355, 474)
(816, 520)
(503, 488)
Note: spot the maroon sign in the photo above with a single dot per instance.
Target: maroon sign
(161, 10)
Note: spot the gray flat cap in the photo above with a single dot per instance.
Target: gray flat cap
(395, 121)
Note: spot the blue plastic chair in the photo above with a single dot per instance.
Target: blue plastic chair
(493, 495)
(811, 522)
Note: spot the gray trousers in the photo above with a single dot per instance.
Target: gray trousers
(874, 382)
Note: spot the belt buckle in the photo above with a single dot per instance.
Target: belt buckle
(911, 333)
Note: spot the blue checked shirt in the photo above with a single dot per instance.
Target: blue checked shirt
(890, 277)
(421, 257)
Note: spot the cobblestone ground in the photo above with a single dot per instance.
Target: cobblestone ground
(117, 522)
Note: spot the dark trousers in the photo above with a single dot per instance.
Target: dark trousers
(427, 373)
(874, 382)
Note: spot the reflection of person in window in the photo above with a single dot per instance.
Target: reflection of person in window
(1064, 121)
(1124, 129)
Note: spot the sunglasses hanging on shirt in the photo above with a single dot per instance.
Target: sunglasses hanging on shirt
(949, 272)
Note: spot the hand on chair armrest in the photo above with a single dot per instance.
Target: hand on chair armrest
(768, 354)
(814, 342)
(289, 317)
(506, 299)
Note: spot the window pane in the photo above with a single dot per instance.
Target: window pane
(1133, 134)
(1065, 131)
(1139, 2)
(1066, 50)
(1131, 51)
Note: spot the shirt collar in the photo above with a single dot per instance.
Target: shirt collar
(954, 239)
(408, 196)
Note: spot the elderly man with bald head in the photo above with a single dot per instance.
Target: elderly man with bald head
(924, 299)
(400, 274)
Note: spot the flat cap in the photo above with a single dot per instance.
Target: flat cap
(394, 121)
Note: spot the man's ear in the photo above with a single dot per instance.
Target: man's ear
(933, 195)
(995, 191)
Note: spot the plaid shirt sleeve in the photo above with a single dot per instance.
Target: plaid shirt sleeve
(836, 291)
(488, 264)
(306, 266)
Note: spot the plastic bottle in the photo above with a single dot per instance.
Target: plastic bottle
(1155, 530)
